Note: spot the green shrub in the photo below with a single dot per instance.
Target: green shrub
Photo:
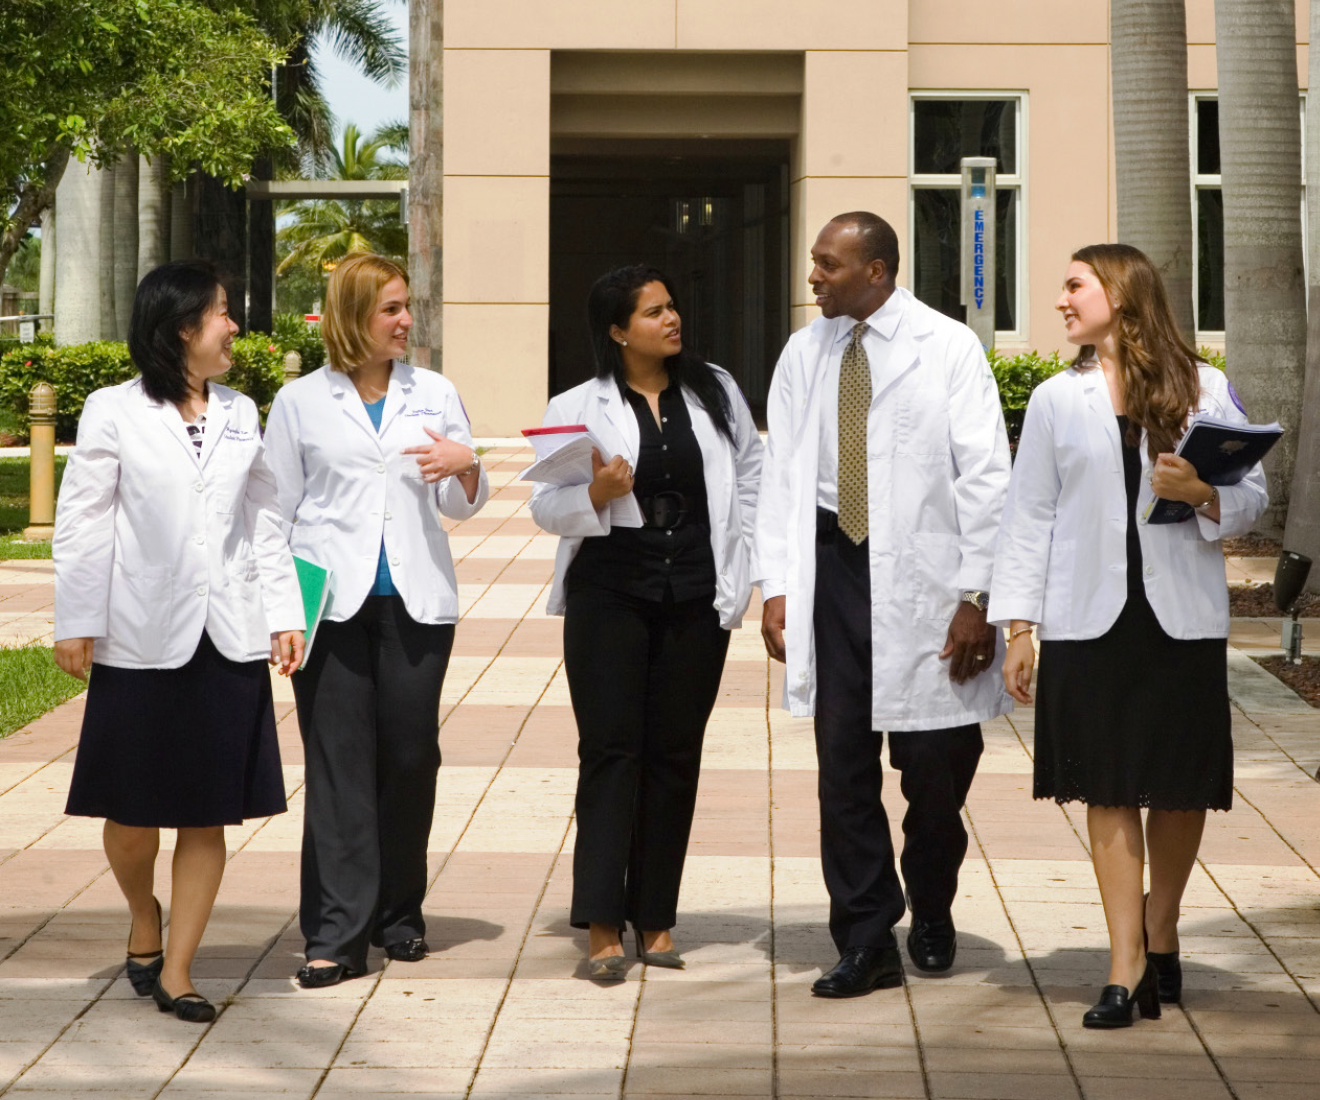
(292, 333)
(74, 371)
(1017, 376)
(1212, 357)
(257, 370)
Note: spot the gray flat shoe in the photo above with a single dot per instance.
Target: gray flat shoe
(671, 959)
(612, 968)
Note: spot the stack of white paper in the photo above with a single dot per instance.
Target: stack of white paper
(563, 458)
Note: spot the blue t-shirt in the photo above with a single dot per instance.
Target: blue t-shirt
(384, 585)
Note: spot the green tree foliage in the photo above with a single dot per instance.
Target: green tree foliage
(322, 232)
(87, 78)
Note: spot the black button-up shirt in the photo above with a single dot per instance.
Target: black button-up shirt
(646, 561)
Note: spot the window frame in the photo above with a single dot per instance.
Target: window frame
(1016, 181)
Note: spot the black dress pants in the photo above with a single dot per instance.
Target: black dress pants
(643, 676)
(369, 712)
(936, 768)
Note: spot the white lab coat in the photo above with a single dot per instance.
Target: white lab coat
(1061, 559)
(938, 466)
(732, 475)
(343, 487)
(153, 543)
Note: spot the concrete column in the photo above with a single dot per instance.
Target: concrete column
(126, 240)
(77, 275)
(497, 204)
(426, 181)
(153, 215)
(46, 303)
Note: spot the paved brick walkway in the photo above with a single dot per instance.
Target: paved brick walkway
(501, 1008)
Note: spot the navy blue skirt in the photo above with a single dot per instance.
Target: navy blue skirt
(188, 747)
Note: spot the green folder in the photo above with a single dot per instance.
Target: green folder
(315, 584)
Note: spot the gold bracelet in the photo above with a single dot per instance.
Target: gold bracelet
(1214, 499)
(1020, 631)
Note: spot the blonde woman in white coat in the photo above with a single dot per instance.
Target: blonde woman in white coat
(647, 610)
(368, 453)
(173, 586)
(1132, 704)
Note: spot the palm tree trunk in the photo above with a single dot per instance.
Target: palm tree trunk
(78, 282)
(1302, 533)
(126, 240)
(153, 215)
(1264, 290)
(426, 179)
(46, 291)
(105, 253)
(1148, 63)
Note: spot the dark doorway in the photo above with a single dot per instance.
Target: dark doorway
(714, 220)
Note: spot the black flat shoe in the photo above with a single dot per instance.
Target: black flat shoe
(143, 976)
(860, 970)
(932, 944)
(1168, 975)
(318, 977)
(409, 951)
(1115, 1006)
(192, 1008)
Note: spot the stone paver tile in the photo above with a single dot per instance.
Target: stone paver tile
(887, 1086)
(534, 1054)
(698, 1051)
(441, 1048)
(350, 1081)
(515, 1081)
(712, 1080)
(1126, 1088)
(69, 1080)
(1002, 1086)
(650, 1029)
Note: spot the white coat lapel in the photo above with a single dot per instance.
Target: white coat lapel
(619, 416)
(350, 404)
(397, 395)
(716, 460)
(1096, 392)
(217, 419)
(170, 421)
(903, 349)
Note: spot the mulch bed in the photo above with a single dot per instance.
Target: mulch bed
(1258, 603)
(1303, 679)
(1252, 546)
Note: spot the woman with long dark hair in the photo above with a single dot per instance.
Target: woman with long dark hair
(647, 610)
(1132, 709)
(174, 586)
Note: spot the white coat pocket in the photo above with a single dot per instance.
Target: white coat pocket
(142, 610)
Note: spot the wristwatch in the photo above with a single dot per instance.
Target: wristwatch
(978, 599)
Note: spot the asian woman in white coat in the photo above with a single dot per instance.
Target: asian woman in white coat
(368, 452)
(647, 610)
(1132, 704)
(173, 587)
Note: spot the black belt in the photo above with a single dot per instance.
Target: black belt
(665, 509)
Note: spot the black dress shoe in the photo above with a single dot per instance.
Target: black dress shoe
(860, 970)
(318, 977)
(1115, 1006)
(1168, 975)
(409, 951)
(932, 944)
(143, 976)
(190, 1007)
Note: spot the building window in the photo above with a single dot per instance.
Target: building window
(1208, 214)
(945, 128)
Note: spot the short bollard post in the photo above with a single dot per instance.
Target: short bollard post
(292, 366)
(41, 450)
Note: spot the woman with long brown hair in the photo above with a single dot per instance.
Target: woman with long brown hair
(1133, 706)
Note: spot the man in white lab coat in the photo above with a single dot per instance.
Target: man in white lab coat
(884, 477)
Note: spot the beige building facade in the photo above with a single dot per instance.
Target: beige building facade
(713, 138)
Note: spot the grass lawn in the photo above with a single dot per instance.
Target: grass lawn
(31, 684)
(14, 484)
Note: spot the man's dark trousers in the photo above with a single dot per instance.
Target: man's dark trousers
(936, 768)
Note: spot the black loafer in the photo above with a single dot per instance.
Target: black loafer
(318, 977)
(192, 1008)
(409, 951)
(1115, 1006)
(860, 970)
(1168, 975)
(932, 944)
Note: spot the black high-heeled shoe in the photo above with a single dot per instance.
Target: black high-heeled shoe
(1168, 975)
(1115, 1006)
(142, 976)
(192, 1008)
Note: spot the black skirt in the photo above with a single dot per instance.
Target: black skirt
(186, 747)
(1135, 718)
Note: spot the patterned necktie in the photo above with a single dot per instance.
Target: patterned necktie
(854, 404)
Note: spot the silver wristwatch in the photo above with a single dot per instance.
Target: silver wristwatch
(978, 599)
